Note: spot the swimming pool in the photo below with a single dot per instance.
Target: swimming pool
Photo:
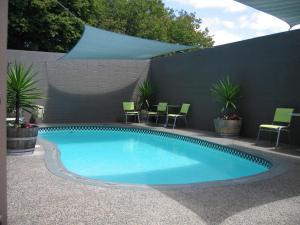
(142, 156)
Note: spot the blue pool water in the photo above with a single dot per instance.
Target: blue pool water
(139, 158)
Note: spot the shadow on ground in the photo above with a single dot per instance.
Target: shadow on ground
(216, 204)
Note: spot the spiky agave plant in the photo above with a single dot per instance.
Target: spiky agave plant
(22, 91)
(228, 94)
(145, 95)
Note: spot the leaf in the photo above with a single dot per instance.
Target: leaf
(226, 93)
(21, 88)
(46, 26)
(145, 95)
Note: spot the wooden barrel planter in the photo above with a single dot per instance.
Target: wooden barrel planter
(227, 128)
(21, 140)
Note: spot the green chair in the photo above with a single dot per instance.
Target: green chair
(281, 122)
(162, 109)
(182, 114)
(129, 110)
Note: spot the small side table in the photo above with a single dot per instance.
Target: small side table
(169, 107)
(296, 114)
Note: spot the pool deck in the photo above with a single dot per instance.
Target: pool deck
(37, 196)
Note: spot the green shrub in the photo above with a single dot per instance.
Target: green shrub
(145, 95)
(228, 95)
(21, 90)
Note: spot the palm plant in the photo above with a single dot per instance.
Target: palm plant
(228, 94)
(145, 95)
(21, 90)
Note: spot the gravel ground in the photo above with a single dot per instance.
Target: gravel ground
(36, 196)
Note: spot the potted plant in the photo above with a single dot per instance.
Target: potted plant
(145, 98)
(21, 95)
(228, 94)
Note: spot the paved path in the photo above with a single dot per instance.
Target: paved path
(36, 196)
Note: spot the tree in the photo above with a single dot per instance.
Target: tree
(185, 29)
(41, 25)
(45, 25)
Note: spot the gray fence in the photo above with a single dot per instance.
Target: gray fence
(267, 68)
(81, 91)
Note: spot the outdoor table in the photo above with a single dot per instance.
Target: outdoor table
(296, 114)
(172, 106)
(169, 107)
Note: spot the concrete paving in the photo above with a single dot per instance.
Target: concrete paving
(36, 196)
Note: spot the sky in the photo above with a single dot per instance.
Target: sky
(229, 21)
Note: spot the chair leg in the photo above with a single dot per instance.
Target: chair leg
(126, 118)
(186, 123)
(257, 138)
(289, 136)
(138, 116)
(167, 121)
(174, 122)
(271, 138)
(278, 137)
(148, 118)
(156, 119)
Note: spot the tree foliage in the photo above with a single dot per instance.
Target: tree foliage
(44, 25)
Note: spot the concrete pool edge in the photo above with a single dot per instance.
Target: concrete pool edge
(54, 165)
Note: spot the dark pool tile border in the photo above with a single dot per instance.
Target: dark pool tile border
(214, 146)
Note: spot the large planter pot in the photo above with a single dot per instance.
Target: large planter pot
(227, 128)
(21, 140)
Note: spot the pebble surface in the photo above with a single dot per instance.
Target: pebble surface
(36, 196)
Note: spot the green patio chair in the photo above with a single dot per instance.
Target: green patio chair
(182, 114)
(129, 110)
(162, 109)
(281, 122)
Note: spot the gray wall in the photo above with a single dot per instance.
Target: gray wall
(83, 91)
(3, 41)
(267, 68)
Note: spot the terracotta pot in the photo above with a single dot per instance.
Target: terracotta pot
(227, 128)
(21, 140)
